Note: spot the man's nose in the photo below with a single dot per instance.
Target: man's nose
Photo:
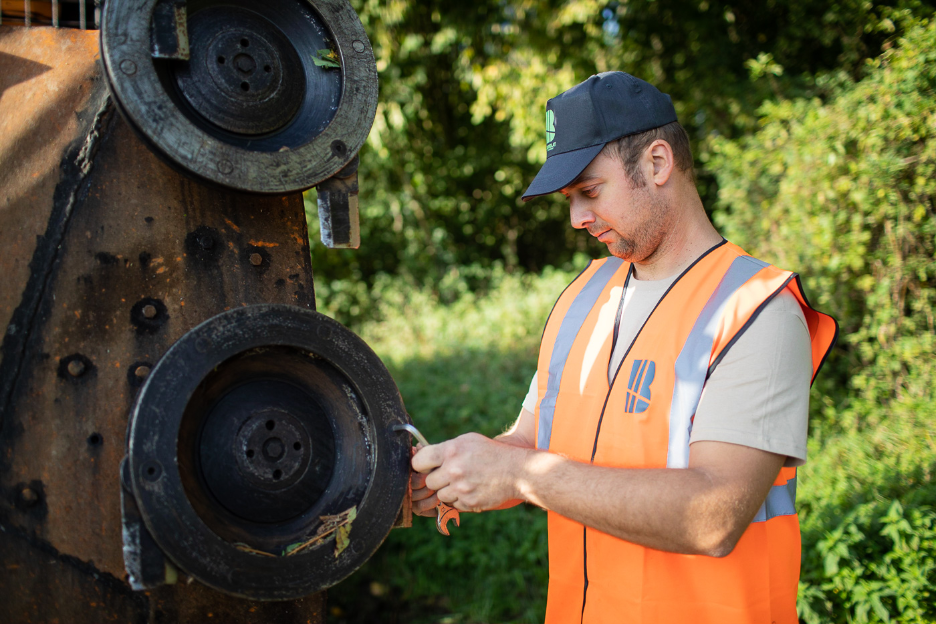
(579, 215)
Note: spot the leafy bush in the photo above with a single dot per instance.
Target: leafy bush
(866, 501)
(844, 191)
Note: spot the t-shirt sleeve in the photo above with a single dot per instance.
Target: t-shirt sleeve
(758, 395)
(532, 397)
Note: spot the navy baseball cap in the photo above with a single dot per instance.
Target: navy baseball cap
(582, 120)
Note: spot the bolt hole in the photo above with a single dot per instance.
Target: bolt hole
(245, 43)
(297, 446)
(267, 68)
(277, 474)
(151, 471)
(250, 453)
(270, 424)
(95, 439)
(245, 86)
(220, 60)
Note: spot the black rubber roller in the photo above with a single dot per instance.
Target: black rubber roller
(251, 428)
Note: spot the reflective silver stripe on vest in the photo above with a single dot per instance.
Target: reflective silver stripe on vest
(693, 361)
(780, 502)
(568, 331)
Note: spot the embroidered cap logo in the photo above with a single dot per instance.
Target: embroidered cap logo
(638, 386)
(550, 130)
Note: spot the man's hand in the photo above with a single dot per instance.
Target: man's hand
(424, 499)
(470, 473)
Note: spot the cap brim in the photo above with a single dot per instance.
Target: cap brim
(560, 170)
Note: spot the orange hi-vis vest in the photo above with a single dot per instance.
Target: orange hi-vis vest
(643, 420)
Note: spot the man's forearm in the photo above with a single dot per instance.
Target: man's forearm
(687, 511)
(703, 509)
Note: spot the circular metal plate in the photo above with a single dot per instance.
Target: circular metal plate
(254, 425)
(266, 119)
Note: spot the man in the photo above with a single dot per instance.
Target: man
(668, 414)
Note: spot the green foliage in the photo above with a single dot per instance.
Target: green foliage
(844, 191)
(459, 131)
(461, 367)
(866, 502)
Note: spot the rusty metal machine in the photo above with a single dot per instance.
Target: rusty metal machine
(182, 437)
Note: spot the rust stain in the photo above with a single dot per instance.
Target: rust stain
(263, 244)
(160, 270)
(231, 223)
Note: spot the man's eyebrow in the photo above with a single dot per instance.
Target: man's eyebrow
(583, 178)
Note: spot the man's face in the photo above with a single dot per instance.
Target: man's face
(631, 221)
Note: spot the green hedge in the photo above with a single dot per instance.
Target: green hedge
(843, 190)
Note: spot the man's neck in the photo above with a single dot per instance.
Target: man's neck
(688, 237)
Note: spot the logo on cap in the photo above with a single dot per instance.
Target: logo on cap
(550, 130)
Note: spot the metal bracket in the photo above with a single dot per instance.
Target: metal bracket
(147, 566)
(169, 30)
(339, 219)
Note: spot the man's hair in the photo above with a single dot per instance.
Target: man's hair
(628, 150)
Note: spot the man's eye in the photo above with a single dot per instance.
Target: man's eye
(591, 191)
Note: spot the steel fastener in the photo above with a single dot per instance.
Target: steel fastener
(149, 311)
(76, 368)
(29, 497)
(256, 259)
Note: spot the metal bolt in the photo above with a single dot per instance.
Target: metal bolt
(205, 242)
(245, 63)
(142, 371)
(149, 311)
(256, 259)
(29, 497)
(76, 368)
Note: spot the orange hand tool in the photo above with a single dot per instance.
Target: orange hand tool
(444, 512)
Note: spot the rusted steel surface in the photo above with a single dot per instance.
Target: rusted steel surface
(46, 77)
(41, 585)
(144, 236)
(110, 257)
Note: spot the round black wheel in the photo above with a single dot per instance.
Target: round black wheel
(253, 427)
(274, 96)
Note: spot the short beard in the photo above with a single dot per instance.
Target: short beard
(646, 240)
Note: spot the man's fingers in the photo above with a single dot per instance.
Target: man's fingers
(417, 480)
(426, 506)
(422, 493)
(427, 459)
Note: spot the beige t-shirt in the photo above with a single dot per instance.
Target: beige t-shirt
(758, 395)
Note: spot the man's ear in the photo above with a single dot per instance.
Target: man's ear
(662, 160)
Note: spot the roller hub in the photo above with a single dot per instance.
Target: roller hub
(244, 76)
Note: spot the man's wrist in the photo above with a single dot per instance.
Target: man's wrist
(533, 467)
